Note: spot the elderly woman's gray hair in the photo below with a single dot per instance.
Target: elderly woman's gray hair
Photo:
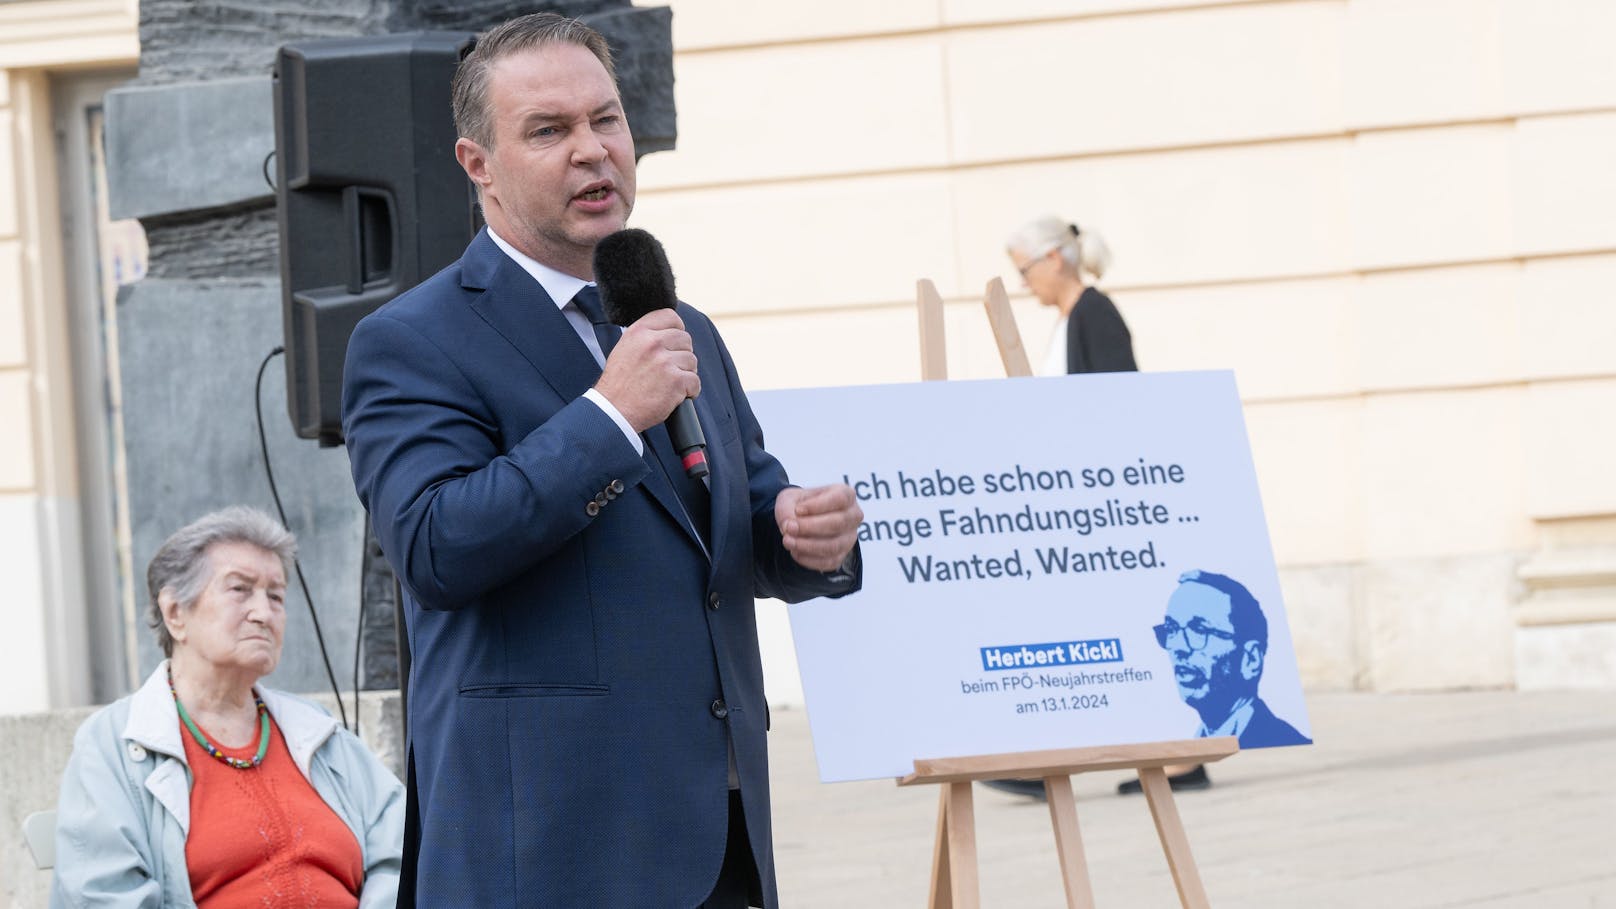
(181, 567)
(1082, 248)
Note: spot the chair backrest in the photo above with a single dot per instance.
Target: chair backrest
(39, 831)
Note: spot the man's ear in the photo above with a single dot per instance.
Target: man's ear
(1251, 660)
(173, 615)
(473, 159)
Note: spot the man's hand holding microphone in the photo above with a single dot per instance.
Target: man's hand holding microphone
(651, 370)
(650, 377)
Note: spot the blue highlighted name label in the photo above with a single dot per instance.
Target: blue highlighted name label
(1063, 653)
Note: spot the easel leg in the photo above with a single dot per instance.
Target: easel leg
(1170, 828)
(1069, 842)
(941, 895)
(953, 868)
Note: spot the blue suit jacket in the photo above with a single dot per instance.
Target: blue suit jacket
(568, 742)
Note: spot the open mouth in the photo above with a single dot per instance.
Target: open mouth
(1188, 676)
(595, 193)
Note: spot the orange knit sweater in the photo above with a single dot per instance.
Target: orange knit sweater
(264, 837)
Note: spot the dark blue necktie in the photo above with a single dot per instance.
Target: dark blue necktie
(588, 302)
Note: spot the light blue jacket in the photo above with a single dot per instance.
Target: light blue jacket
(125, 805)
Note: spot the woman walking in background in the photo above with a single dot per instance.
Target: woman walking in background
(1054, 258)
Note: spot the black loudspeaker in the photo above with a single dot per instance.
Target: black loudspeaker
(371, 199)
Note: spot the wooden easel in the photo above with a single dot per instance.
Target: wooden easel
(954, 881)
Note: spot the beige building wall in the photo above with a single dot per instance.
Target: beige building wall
(1393, 219)
(41, 558)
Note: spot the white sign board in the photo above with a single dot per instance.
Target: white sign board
(1026, 546)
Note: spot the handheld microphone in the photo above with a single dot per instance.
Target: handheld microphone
(634, 278)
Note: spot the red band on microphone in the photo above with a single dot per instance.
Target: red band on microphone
(696, 456)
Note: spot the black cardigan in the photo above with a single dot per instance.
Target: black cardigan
(1097, 339)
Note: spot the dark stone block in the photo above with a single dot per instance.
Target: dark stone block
(189, 40)
(243, 243)
(478, 15)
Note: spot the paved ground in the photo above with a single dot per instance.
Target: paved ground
(1484, 799)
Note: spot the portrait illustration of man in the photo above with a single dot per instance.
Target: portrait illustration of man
(1217, 637)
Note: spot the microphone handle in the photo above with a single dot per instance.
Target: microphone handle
(685, 432)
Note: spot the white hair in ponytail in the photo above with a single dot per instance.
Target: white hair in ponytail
(1084, 250)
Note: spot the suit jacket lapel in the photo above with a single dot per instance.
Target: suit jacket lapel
(517, 307)
(717, 479)
(659, 450)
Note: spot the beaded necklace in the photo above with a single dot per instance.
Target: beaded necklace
(238, 763)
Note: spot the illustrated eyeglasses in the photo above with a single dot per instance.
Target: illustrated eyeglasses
(1195, 634)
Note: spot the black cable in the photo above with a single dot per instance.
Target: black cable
(263, 445)
(265, 168)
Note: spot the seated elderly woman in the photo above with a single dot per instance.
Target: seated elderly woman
(207, 788)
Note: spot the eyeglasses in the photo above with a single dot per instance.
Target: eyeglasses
(1029, 266)
(1195, 634)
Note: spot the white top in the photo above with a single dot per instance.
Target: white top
(1055, 357)
(562, 288)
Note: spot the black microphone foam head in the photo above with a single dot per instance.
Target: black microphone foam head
(633, 275)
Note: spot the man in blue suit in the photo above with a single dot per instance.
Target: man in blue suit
(587, 713)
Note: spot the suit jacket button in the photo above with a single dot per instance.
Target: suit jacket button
(617, 486)
(713, 600)
(591, 509)
(719, 709)
(609, 493)
(601, 500)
